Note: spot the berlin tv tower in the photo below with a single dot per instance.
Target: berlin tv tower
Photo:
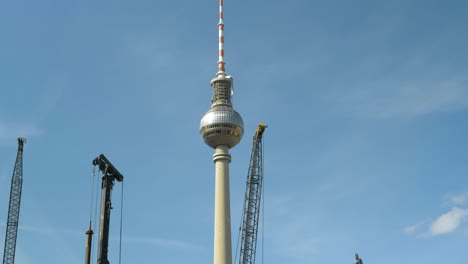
(222, 128)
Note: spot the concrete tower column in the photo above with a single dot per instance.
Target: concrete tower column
(222, 221)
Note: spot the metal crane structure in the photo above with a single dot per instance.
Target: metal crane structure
(253, 195)
(357, 259)
(14, 206)
(109, 175)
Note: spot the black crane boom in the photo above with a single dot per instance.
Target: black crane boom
(109, 174)
(14, 207)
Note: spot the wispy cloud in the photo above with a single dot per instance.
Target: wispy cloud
(385, 86)
(167, 243)
(292, 237)
(46, 230)
(417, 100)
(295, 237)
(460, 199)
(160, 242)
(448, 222)
(11, 131)
(445, 223)
(408, 99)
(409, 230)
(58, 240)
(298, 235)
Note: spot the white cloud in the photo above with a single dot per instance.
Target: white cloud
(448, 222)
(409, 230)
(460, 199)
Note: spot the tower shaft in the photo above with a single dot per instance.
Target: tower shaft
(222, 222)
(14, 207)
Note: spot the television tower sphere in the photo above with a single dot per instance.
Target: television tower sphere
(221, 125)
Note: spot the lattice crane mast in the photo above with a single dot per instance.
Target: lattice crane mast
(253, 194)
(14, 206)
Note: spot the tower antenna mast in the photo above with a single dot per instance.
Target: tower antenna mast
(221, 68)
(14, 207)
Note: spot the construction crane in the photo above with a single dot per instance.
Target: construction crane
(14, 206)
(109, 175)
(357, 259)
(253, 194)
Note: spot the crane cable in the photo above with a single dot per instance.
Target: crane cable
(263, 201)
(92, 196)
(95, 200)
(121, 220)
(239, 235)
(95, 215)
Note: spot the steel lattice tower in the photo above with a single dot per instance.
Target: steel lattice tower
(253, 194)
(14, 207)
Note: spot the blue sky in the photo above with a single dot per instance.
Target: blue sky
(366, 103)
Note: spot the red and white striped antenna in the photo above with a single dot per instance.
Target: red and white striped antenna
(221, 70)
